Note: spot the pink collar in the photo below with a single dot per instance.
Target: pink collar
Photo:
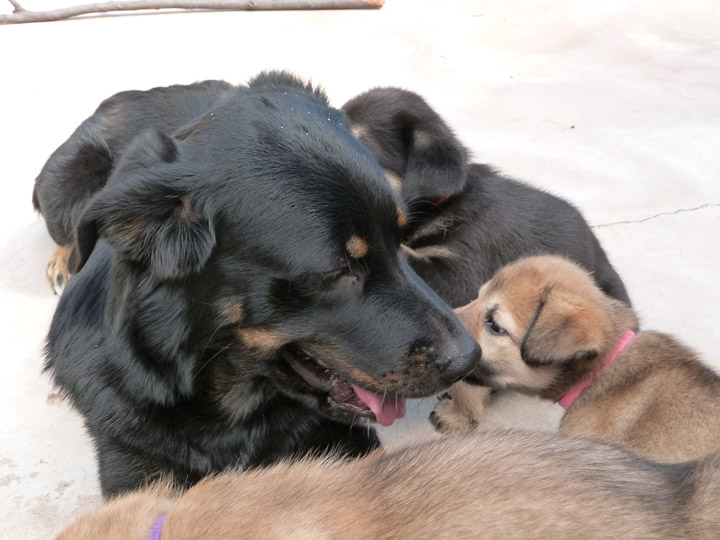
(572, 394)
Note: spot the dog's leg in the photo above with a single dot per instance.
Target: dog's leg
(339, 439)
(459, 409)
(122, 469)
(57, 269)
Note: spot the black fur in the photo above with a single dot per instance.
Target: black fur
(466, 220)
(84, 162)
(211, 260)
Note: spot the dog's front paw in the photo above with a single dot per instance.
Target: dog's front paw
(460, 409)
(57, 269)
(447, 417)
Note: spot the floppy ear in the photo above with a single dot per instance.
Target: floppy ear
(562, 331)
(409, 139)
(436, 166)
(148, 214)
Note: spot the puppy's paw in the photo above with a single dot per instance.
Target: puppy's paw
(57, 269)
(447, 417)
(460, 409)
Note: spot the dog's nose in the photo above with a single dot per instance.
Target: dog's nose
(461, 358)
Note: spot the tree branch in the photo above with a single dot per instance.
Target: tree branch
(21, 15)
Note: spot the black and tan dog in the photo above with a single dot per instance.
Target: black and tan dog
(466, 220)
(241, 294)
(546, 329)
(510, 486)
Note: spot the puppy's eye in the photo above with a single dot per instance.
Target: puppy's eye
(494, 327)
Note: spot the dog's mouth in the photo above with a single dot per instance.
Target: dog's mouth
(342, 394)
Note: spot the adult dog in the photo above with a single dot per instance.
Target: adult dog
(546, 329)
(241, 294)
(466, 220)
(511, 486)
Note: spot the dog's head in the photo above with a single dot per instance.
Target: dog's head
(542, 324)
(278, 233)
(421, 157)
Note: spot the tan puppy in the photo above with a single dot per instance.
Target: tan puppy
(499, 485)
(544, 327)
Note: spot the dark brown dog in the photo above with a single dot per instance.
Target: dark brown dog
(545, 327)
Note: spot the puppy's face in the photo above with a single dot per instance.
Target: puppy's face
(536, 320)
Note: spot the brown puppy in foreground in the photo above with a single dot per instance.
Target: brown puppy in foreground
(499, 485)
(545, 328)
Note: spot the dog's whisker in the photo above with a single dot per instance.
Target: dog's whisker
(352, 425)
(349, 261)
(195, 300)
(213, 357)
(207, 344)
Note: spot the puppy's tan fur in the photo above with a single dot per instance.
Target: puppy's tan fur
(499, 485)
(130, 516)
(557, 327)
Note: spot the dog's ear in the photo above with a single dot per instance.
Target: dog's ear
(564, 329)
(410, 141)
(150, 215)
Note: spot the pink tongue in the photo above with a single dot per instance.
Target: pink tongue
(386, 410)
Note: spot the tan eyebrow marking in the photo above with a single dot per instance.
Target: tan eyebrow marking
(422, 140)
(358, 130)
(394, 180)
(356, 247)
(402, 218)
(232, 312)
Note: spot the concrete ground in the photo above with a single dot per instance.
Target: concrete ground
(613, 105)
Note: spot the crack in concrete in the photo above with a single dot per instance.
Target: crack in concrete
(681, 210)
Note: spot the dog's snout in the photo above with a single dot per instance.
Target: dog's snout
(461, 358)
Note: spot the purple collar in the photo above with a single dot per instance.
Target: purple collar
(156, 531)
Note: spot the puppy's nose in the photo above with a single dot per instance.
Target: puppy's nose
(461, 358)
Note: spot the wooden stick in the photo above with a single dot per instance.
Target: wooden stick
(22, 15)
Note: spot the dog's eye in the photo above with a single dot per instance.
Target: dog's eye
(342, 271)
(333, 275)
(494, 327)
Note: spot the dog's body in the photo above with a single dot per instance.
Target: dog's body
(82, 165)
(466, 220)
(242, 297)
(499, 485)
(544, 327)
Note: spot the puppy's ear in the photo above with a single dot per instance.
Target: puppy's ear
(411, 141)
(148, 214)
(564, 329)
